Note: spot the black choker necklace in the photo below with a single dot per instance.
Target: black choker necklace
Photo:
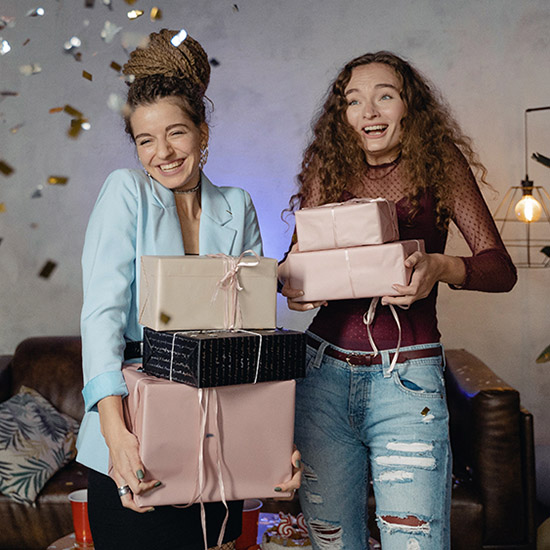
(187, 191)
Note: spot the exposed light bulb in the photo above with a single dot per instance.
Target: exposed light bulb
(528, 209)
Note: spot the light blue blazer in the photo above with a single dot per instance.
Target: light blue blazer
(134, 216)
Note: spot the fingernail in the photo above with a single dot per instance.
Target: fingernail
(297, 464)
(278, 489)
(151, 510)
(309, 306)
(139, 474)
(157, 484)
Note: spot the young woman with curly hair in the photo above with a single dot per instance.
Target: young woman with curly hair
(384, 132)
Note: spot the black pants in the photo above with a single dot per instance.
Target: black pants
(118, 528)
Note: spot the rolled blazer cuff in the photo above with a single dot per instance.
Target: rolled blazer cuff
(103, 385)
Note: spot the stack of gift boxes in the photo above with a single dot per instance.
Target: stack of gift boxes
(348, 250)
(213, 403)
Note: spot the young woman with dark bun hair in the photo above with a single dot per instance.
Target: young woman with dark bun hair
(168, 208)
(384, 131)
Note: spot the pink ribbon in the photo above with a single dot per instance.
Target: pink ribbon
(230, 284)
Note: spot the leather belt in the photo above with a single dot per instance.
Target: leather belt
(367, 359)
(133, 350)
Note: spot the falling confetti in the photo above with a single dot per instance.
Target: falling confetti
(130, 2)
(1, 240)
(214, 62)
(6, 21)
(177, 39)
(37, 193)
(33, 225)
(26, 41)
(7, 93)
(156, 14)
(89, 3)
(15, 129)
(47, 269)
(27, 70)
(116, 103)
(57, 180)
(425, 411)
(132, 40)
(134, 14)
(56, 110)
(6, 169)
(165, 319)
(73, 42)
(115, 66)
(87, 75)
(4, 46)
(109, 31)
(75, 128)
(72, 111)
(2, 207)
(108, 4)
(37, 12)
(235, 7)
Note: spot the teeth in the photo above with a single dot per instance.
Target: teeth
(171, 166)
(379, 127)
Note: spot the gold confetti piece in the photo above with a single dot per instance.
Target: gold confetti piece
(4, 47)
(214, 62)
(130, 2)
(47, 269)
(69, 483)
(89, 3)
(78, 56)
(56, 110)
(26, 41)
(165, 319)
(57, 180)
(6, 93)
(235, 7)
(87, 75)
(6, 169)
(425, 411)
(72, 111)
(109, 31)
(15, 129)
(114, 65)
(37, 12)
(156, 14)
(134, 14)
(75, 128)
(2, 207)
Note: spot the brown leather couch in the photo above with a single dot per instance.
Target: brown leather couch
(493, 504)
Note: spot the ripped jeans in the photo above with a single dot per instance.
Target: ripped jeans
(353, 422)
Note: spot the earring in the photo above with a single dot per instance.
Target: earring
(204, 156)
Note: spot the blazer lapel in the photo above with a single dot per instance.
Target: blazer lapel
(214, 234)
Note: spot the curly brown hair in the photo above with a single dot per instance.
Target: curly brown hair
(336, 157)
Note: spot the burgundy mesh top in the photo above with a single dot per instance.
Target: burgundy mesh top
(489, 269)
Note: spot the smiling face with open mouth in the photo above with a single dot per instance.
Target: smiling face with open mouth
(168, 143)
(375, 110)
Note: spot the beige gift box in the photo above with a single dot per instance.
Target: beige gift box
(342, 273)
(356, 222)
(205, 292)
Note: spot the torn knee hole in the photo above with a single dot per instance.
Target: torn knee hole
(410, 521)
(327, 535)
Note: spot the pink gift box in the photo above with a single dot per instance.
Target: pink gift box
(356, 272)
(356, 222)
(249, 442)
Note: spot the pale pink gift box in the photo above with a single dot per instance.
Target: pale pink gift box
(356, 272)
(356, 222)
(248, 434)
(193, 293)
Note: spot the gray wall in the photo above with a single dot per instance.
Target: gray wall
(490, 58)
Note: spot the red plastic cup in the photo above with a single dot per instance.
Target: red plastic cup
(79, 506)
(251, 514)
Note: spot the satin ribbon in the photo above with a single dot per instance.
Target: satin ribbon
(230, 284)
(368, 319)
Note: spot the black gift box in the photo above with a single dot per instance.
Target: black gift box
(206, 359)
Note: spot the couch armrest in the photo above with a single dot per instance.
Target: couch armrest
(490, 440)
(5, 377)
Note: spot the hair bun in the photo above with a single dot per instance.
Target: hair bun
(160, 56)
